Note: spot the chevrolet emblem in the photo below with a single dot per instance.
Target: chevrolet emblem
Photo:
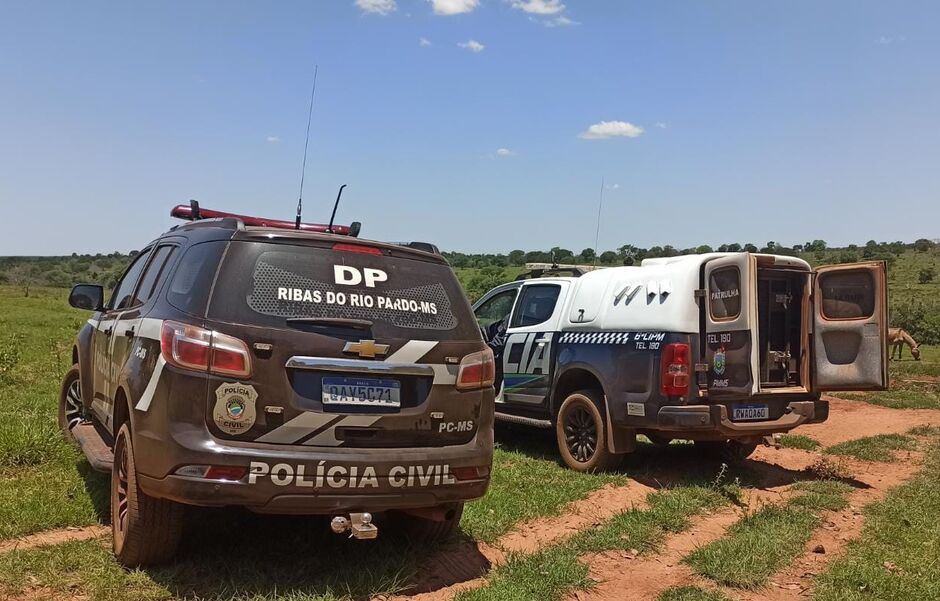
(366, 348)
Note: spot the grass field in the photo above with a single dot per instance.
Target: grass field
(46, 484)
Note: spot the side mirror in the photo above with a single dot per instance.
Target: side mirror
(87, 296)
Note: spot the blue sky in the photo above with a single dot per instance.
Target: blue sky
(726, 121)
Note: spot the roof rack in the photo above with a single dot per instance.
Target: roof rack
(193, 212)
(540, 270)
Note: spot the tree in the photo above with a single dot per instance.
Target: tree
(926, 275)
(750, 248)
(22, 275)
(608, 257)
(701, 250)
(923, 245)
(517, 257)
(588, 254)
(815, 246)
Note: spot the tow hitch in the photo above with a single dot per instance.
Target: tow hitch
(358, 525)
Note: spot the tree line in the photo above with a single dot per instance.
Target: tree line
(629, 253)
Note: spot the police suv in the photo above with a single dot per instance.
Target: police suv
(286, 369)
(723, 349)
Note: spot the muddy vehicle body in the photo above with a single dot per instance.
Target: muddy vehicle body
(284, 371)
(724, 349)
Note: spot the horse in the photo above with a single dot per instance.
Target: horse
(897, 338)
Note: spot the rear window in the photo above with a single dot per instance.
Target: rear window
(266, 284)
(724, 293)
(847, 295)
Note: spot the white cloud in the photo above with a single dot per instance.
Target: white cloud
(612, 186)
(504, 152)
(559, 21)
(472, 46)
(890, 39)
(661, 125)
(272, 139)
(424, 42)
(611, 129)
(446, 8)
(539, 7)
(377, 7)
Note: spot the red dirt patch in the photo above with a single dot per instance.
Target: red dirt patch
(53, 537)
(839, 527)
(849, 420)
(463, 566)
(600, 506)
(621, 577)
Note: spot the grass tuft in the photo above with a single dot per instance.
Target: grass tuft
(873, 448)
(690, 593)
(799, 441)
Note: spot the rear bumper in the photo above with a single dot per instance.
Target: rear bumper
(714, 419)
(298, 480)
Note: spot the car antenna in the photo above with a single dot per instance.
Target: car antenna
(597, 232)
(329, 228)
(303, 167)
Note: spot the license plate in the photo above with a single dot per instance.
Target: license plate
(362, 392)
(751, 412)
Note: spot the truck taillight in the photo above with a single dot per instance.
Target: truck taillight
(477, 370)
(192, 347)
(674, 380)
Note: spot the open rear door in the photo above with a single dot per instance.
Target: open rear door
(850, 319)
(731, 326)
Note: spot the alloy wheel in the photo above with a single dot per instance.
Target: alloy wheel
(581, 434)
(73, 404)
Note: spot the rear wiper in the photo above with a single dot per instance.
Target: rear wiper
(334, 322)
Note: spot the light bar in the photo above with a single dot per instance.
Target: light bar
(188, 213)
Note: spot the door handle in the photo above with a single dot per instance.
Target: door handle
(129, 332)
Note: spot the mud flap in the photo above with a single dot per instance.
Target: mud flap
(619, 440)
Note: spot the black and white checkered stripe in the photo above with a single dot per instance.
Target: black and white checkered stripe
(596, 337)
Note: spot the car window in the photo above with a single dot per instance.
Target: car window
(536, 305)
(496, 308)
(724, 293)
(154, 274)
(847, 295)
(123, 296)
(192, 282)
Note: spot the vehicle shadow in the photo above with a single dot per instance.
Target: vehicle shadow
(98, 487)
(671, 465)
(230, 552)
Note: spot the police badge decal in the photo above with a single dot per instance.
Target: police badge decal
(718, 362)
(234, 411)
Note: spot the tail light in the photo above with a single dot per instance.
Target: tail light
(675, 370)
(192, 347)
(477, 370)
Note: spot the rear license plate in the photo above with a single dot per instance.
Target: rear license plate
(751, 412)
(362, 392)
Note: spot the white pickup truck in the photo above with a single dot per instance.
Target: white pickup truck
(721, 348)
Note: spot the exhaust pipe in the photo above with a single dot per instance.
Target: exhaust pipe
(358, 525)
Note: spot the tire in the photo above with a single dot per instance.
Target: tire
(581, 433)
(145, 530)
(71, 410)
(730, 451)
(429, 531)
